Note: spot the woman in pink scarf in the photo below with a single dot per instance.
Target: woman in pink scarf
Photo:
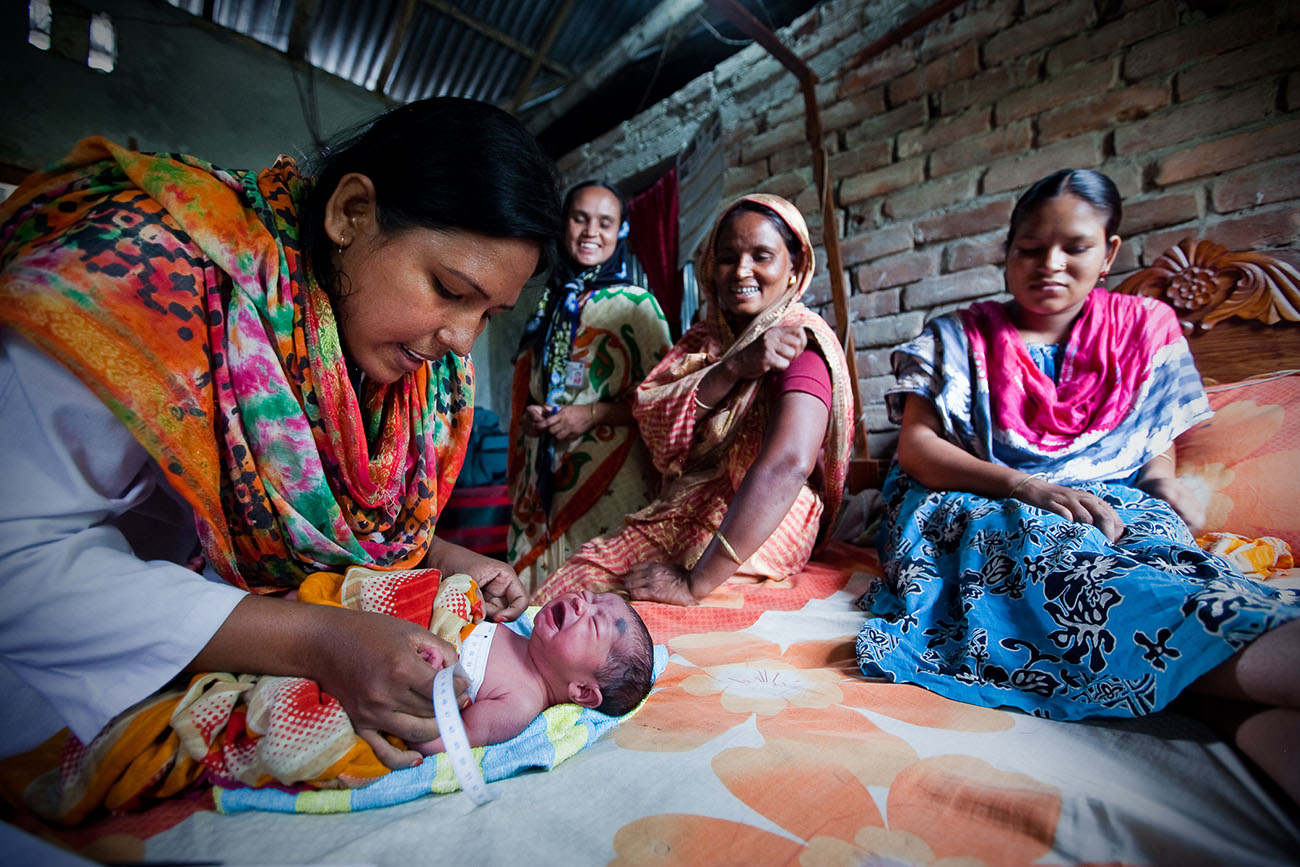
(748, 418)
(1036, 545)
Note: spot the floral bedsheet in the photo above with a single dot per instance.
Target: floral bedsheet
(762, 744)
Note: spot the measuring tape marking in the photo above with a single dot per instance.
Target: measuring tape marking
(454, 740)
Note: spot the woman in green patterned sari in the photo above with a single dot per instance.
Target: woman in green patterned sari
(577, 466)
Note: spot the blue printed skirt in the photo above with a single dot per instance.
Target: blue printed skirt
(998, 603)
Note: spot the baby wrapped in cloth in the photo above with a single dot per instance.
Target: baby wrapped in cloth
(240, 730)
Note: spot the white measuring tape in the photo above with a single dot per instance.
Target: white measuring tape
(452, 730)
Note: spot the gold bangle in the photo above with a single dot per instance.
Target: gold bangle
(1020, 484)
(593, 411)
(726, 546)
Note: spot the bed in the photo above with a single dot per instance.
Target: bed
(762, 744)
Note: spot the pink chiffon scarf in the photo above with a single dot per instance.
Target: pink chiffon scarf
(1108, 357)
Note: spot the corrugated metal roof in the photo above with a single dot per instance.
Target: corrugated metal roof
(481, 49)
(439, 54)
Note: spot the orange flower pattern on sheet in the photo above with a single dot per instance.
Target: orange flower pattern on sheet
(1243, 460)
(927, 825)
(729, 677)
(735, 606)
(816, 738)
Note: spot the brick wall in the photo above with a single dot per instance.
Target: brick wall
(1193, 108)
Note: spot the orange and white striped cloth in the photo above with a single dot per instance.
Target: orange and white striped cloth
(1255, 558)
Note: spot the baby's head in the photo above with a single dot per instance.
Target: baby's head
(597, 650)
(628, 673)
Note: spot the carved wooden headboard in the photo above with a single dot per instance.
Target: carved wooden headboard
(1241, 311)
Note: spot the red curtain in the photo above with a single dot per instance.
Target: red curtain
(652, 235)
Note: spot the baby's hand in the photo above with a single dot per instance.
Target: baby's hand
(438, 653)
(441, 654)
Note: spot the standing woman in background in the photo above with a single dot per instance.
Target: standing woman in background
(577, 466)
(214, 383)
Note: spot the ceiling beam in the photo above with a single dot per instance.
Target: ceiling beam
(399, 36)
(552, 30)
(661, 19)
(300, 29)
(492, 33)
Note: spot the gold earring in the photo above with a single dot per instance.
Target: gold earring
(790, 282)
(343, 242)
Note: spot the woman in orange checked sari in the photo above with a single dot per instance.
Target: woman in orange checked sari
(749, 418)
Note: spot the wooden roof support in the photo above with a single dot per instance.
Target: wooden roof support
(753, 28)
(452, 11)
(399, 36)
(653, 26)
(548, 39)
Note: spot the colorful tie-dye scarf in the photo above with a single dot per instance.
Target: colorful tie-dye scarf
(178, 293)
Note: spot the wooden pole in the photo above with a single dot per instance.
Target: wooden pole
(753, 28)
(535, 65)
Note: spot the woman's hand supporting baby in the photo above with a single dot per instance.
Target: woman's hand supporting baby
(379, 668)
(503, 594)
(401, 664)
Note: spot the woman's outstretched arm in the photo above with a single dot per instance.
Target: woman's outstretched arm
(926, 456)
(791, 445)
